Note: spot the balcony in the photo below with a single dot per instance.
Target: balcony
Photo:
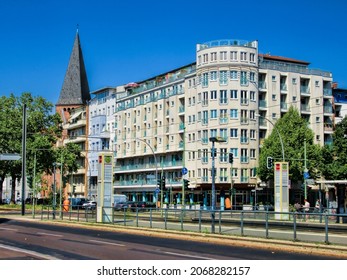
(305, 107)
(284, 106)
(244, 159)
(244, 101)
(262, 103)
(262, 85)
(328, 127)
(244, 179)
(283, 87)
(328, 109)
(243, 140)
(204, 140)
(327, 92)
(305, 89)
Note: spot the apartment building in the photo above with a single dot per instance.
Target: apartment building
(164, 123)
(100, 134)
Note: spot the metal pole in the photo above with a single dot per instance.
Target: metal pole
(54, 191)
(305, 170)
(61, 187)
(156, 164)
(34, 187)
(213, 191)
(24, 139)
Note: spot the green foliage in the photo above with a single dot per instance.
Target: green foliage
(43, 131)
(293, 130)
(335, 156)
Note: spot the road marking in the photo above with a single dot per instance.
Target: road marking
(29, 252)
(107, 243)
(186, 255)
(49, 234)
(10, 229)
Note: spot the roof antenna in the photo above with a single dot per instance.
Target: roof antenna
(77, 27)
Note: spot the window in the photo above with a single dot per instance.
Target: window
(205, 58)
(234, 151)
(252, 153)
(223, 79)
(213, 132)
(223, 97)
(244, 138)
(253, 172)
(274, 115)
(223, 157)
(274, 98)
(213, 94)
(223, 56)
(252, 57)
(316, 83)
(234, 172)
(294, 81)
(252, 115)
(213, 114)
(244, 80)
(252, 76)
(213, 56)
(317, 101)
(252, 134)
(233, 94)
(233, 75)
(273, 78)
(233, 132)
(243, 56)
(317, 119)
(252, 96)
(233, 113)
(213, 75)
(223, 116)
(233, 55)
(205, 79)
(223, 133)
(244, 99)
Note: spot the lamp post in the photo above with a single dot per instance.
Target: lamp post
(279, 135)
(156, 166)
(213, 206)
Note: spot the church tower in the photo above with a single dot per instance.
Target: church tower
(75, 89)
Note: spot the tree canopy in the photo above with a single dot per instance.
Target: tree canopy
(335, 156)
(294, 132)
(43, 131)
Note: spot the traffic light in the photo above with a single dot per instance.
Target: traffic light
(269, 162)
(73, 189)
(185, 183)
(231, 158)
(163, 182)
(159, 182)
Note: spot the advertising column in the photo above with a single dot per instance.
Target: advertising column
(105, 179)
(281, 190)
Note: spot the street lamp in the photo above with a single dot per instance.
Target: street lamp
(279, 135)
(156, 166)
(213, 153)
(54, 188)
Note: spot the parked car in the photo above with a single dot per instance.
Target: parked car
(77, 202)
(140, 205)
(120, 202)
(89, 205)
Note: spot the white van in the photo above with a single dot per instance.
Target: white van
(120, 201)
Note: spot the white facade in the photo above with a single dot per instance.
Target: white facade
(164, 123)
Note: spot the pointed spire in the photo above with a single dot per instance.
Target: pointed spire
(75, 89)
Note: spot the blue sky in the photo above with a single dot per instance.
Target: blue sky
(126, 41)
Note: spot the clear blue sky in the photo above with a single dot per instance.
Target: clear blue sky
(125, 41)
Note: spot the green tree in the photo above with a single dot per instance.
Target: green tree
(43, 131)
(335, 156)
(294, 132)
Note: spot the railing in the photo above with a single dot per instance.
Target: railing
(197, 218)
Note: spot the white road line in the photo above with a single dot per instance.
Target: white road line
(107, 243)
(29, 252)
(49, 234)
(186, 255)
(9, 229)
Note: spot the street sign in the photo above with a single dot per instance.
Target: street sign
(306, 175)
(157, 190)
(184, 170)
(10, 157)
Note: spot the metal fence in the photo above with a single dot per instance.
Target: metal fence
(317, 227)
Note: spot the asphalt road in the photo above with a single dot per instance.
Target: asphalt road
(38, 240)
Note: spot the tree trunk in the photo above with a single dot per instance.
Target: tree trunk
(13, 189)
(1, 188)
